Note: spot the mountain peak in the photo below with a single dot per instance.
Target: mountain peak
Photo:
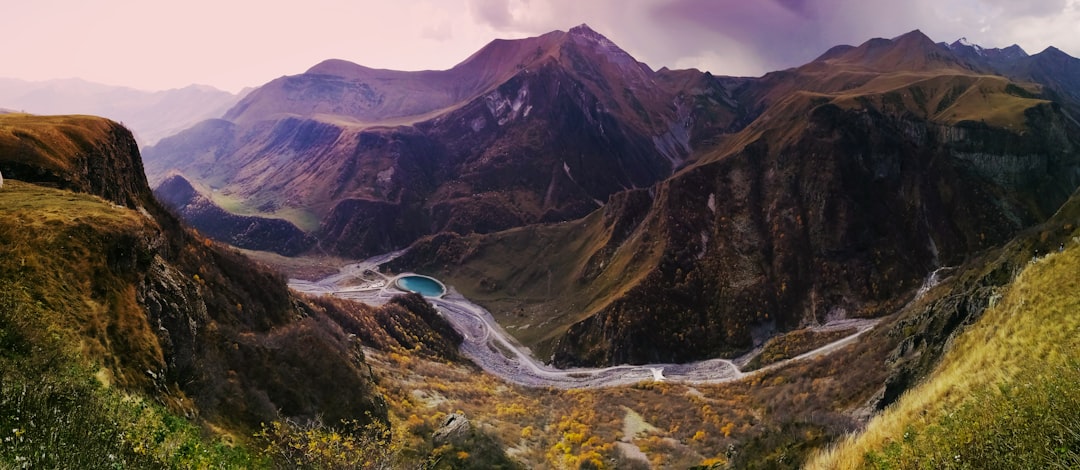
(1015, 50)
(971, 51)
(910, 51)
(915, 38)
(1054, 52)
(584, 36)
(583, 30)
(337, 67)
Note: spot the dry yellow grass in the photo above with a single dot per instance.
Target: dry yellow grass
(48, 142)
(1033, 331)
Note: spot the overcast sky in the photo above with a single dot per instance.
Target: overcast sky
(231, 44)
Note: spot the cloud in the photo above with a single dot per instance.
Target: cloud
(247, 42)
(438, 32)
(1025, 9)
(495, 13)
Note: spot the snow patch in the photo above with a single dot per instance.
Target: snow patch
(478, 124)
(704, 244)
(506, 109)
(385, 176)
(712, 202)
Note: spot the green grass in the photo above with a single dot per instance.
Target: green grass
(303, 219)
(789, 345)
(1005, 394)
(531, 278)
(60, 402)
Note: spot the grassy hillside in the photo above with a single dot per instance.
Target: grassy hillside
(1004, 395)
(128, 341)
(540, 279)
(47, 142)
(70, 337)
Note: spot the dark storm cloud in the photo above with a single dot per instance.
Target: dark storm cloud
(752, 37)
(785, 33)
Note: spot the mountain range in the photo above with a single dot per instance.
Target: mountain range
(641, 215)
(542, 130)
(151, 116)
(605, 213)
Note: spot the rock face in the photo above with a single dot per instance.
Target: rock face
(844, 221)
(926, 332)
(189, 323)
(455, 427)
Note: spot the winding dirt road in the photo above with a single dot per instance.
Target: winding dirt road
(490, 347)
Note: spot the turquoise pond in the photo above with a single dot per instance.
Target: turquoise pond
(422, 285)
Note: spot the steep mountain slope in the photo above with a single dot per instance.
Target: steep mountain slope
(837, 200)
(535, 130)
(255, 233)
(151, 115)
(1003, 394)
(97, 280)
(851, 184)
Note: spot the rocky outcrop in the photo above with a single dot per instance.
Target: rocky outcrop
(78, 153)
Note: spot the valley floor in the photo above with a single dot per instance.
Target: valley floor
(490, 347)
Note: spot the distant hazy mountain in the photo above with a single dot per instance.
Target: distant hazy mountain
(150, 115)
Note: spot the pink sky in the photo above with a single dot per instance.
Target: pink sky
(231, 44)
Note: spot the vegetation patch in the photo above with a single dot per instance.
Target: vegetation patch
(1005, 393)
(789, 345)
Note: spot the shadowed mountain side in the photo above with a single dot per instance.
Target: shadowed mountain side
(994, 340)
(844, 221)
(837, 200)
(567, 120)
(253, 233)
